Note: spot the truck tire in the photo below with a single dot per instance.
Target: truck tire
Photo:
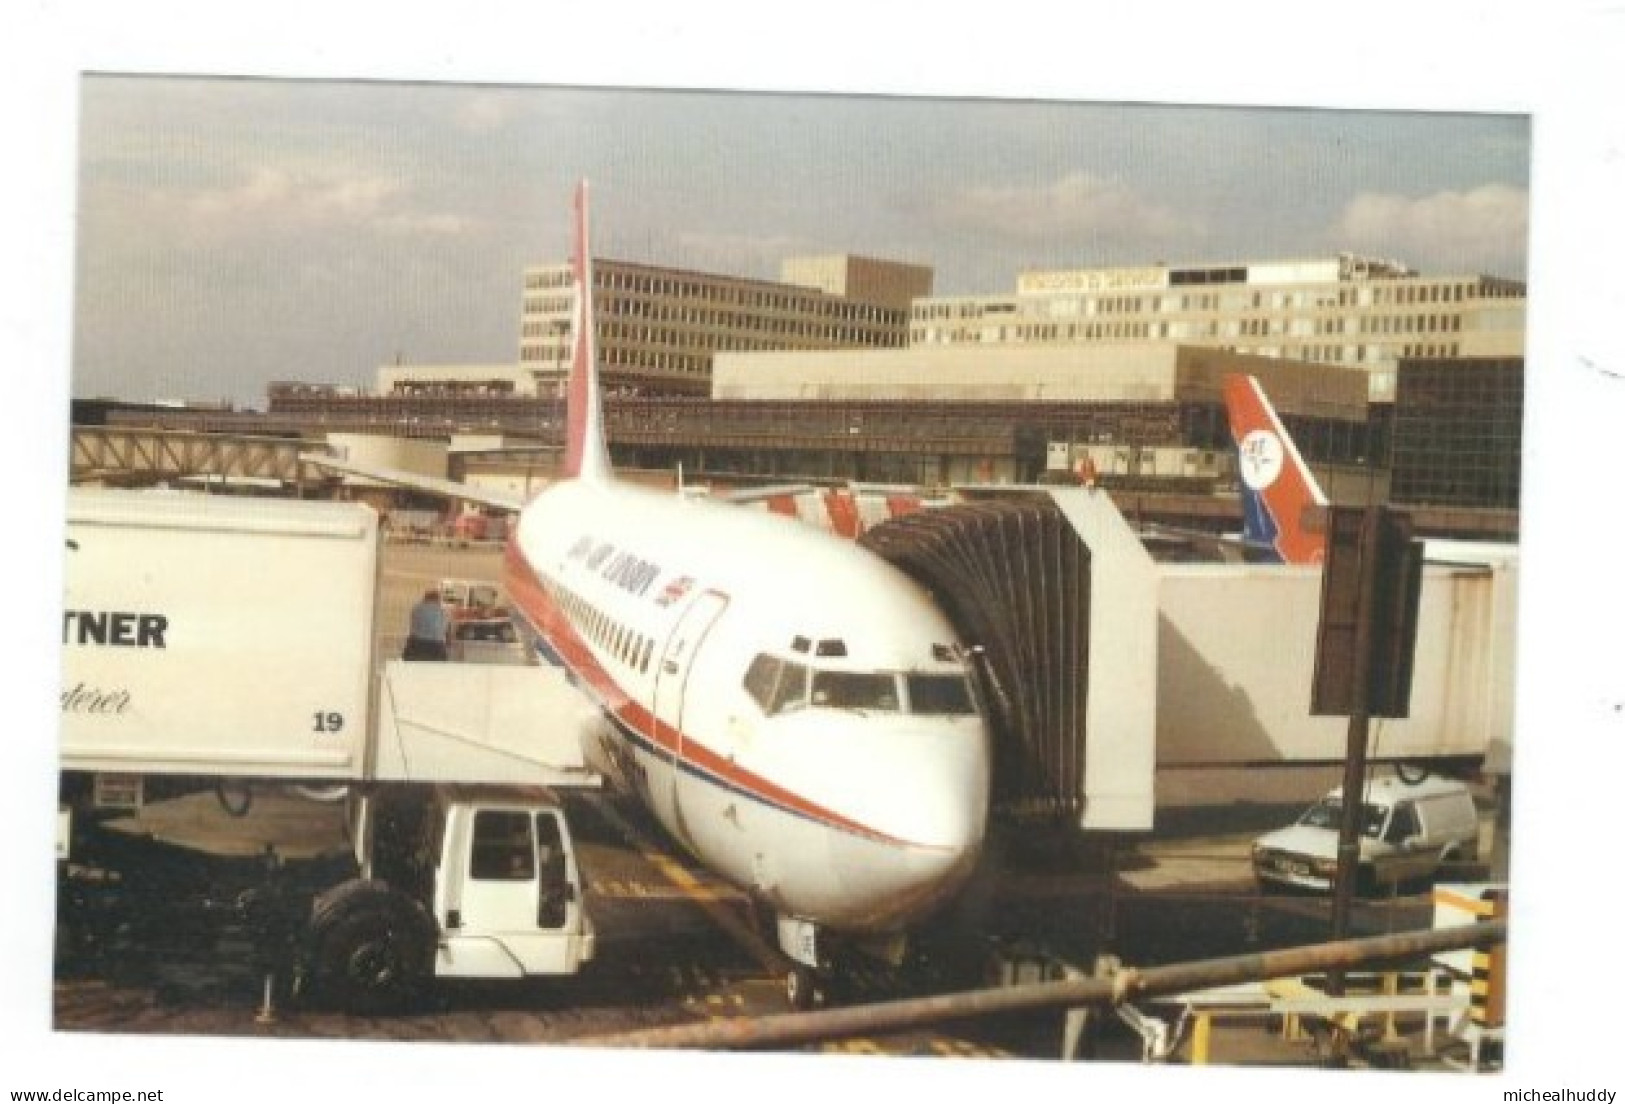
(372, 949)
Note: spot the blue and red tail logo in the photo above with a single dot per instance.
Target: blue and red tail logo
(1278, 491)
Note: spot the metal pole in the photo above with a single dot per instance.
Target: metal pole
(793, 1029)
(1348, 836)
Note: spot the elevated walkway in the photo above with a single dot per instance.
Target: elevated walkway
(134, 456)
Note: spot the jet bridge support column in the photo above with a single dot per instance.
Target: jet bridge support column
(1120, 759)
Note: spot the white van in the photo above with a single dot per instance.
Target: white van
(1406, 831)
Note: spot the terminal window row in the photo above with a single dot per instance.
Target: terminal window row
(646, 327)
(721, 291)
(842, 326)
(1409, 294)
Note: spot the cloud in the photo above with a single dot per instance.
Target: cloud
(1485, 229)
(281, 195)
(1077, 206)
(757, 255)
(485, 112)
(295, 201)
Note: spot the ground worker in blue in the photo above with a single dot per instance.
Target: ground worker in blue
(431, 626)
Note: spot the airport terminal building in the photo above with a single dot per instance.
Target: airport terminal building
(848, 369)
(1350, 311)
(658, 328)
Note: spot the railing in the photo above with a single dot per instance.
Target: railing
(1122, 987)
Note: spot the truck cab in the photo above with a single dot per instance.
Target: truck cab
(456, 882)
(508, 896)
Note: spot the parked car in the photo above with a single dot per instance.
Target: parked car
(1407, 831)
(467, 599)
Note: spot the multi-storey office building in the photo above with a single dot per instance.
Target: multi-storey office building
(659, 327)
(1458, 433)
(1348, 311)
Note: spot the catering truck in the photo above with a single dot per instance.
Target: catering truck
(226, 646)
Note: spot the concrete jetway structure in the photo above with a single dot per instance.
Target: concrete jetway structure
(1236, 653)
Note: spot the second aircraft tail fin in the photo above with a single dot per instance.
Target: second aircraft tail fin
(1277, 487)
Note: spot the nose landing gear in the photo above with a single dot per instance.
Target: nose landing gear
(802, 991)
(825, 972)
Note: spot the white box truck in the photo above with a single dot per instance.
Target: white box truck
(217, 636)
(227, 644)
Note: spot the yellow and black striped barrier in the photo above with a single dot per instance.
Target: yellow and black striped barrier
(1489, 992)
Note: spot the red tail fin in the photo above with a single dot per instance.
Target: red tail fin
(586, 454)
(1277, 487)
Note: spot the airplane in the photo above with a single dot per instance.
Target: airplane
(793, 710)
(1277, 487)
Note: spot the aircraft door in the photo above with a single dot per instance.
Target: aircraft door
(671, 685)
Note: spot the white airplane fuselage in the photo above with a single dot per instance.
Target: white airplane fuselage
(794, 710)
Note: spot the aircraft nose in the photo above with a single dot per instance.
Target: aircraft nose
(942, 816)
(899, 884)
(935, 818)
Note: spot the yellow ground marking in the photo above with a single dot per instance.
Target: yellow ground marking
(702, 895)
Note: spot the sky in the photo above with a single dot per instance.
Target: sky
(183, 236)
(234, 232)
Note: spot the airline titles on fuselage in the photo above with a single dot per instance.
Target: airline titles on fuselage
(630, 572)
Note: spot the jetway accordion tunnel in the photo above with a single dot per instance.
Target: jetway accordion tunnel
(1013, 577)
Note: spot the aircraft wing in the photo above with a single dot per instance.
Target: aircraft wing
(428, 484)
(748, 495)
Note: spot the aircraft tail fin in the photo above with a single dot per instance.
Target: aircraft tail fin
(1277, 487)
(586, 452)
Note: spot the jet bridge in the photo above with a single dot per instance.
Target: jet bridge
(1236, 649)
(1066, 671)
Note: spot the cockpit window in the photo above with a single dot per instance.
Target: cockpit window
(781, 686)
(792, 689)
(939, 694)
(852, 690)
(776, 684)
(762, 678)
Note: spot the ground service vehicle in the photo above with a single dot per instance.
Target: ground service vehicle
(486, 640)
(1407, 831)
(462, 882)
(227, 645)
(468, 599)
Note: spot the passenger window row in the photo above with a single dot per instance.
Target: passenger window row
(630, 647)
